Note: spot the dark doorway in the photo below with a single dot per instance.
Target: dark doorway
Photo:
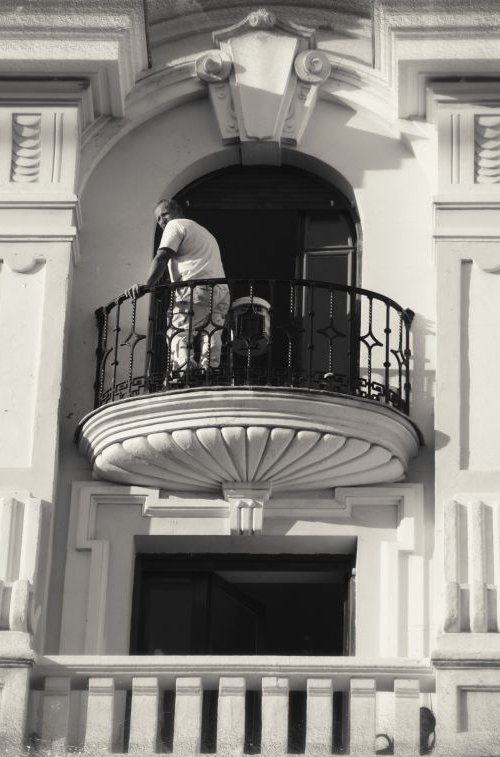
(275, 223)
(245, 604)
(231, 604)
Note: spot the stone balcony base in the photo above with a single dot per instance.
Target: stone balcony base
(287, 439)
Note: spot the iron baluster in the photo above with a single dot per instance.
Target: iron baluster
(102, 323)
(211, 331)
(150, 348)
(270, 344)
(387, 361)
(249, 339)
(132, 346)
(115, 362)
(332, 322)
(409, 315)
(310, 345)
(170, 335)
(353, 346)
(400, 363)
(292, 296)
(190, 332)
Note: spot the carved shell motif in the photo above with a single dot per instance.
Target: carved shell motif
(189, 459)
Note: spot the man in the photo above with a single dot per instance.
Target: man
(191, 252)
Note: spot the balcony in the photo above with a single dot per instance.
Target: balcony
(312, 389)
(230, 705)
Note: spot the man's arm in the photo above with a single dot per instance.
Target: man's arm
(156, 271)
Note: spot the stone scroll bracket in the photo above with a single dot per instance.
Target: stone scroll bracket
(263, 81)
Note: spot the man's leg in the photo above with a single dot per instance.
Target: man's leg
(180, 335)
(211, 331)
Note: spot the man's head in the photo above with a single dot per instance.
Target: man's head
(166, 210)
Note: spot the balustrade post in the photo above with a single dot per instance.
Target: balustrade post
(274, 739)
(478, 600)
(188, 711)
(14, 692)
(100, 717)
(144, 716)
(451, 534)
(319, 720)
(56, 714)
(231, 716)
(407, 718)
(362, 717)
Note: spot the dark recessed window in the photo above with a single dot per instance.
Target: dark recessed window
(230, 604)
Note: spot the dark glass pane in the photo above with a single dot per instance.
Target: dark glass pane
(328, 230)
(234, 619)
(162, 601)
(329, 266)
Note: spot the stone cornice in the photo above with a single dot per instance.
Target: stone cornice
(106, 47)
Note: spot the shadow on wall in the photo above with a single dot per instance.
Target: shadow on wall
(427, 734)
(422, 379)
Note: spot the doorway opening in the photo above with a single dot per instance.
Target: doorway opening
(233, 604)
(243, 604)
(279, 224)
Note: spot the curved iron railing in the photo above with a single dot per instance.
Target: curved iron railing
(283, 333)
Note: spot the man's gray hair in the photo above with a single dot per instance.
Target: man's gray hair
(172, 205)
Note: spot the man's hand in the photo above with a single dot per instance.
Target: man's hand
(136, 290)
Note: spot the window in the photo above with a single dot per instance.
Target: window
(232, 604)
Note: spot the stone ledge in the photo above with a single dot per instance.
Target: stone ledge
(16, 650)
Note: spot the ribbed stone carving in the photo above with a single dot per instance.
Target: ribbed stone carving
(202, 440)
(26, 147)
(487, 149)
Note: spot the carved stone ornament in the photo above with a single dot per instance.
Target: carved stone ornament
(256, 81)
(264, 19)
(205, 439)
(214, 66)
(312, 66)
(22, 260)
(246, 507)
(487, 149)
(26, 147)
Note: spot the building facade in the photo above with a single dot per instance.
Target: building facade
(295, 549)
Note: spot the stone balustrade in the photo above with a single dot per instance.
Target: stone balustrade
(227, 705)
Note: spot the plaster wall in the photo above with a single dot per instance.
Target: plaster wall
(165, 154)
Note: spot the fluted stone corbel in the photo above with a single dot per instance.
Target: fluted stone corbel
(246, 507)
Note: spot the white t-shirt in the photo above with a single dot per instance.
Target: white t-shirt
(197, 252)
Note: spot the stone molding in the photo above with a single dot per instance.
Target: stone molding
(401, 559)
(198, 440)
(106, 47)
